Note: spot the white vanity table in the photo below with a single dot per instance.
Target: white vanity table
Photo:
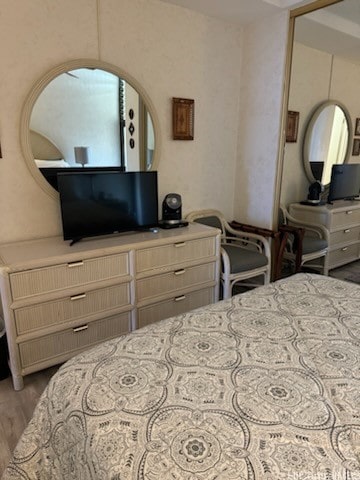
(59, 300)
(342, 219)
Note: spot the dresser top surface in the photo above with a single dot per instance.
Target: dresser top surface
(338, 205)
(44, 251)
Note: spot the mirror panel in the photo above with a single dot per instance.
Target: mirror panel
(327, 141)
(94, 106)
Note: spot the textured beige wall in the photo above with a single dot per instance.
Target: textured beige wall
(34, 36)
(261, 96)
(169, 50)
(313, 82)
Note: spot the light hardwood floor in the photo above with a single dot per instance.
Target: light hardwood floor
(16, 408)
(351, 270)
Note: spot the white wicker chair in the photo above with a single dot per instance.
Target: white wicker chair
(310, 247)
(244, 255)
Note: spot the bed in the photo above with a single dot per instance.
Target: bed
(46, 153)
(265, 385)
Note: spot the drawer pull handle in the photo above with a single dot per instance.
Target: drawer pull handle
(344, 249)
(347, 230)
(179, 272)
(75, 264)
(78, 297)
(179, 244)
(180, 298)
(349, 212)
(80, 329)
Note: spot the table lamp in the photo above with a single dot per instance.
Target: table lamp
(81, 155)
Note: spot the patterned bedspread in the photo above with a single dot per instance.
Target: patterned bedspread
(265, 385)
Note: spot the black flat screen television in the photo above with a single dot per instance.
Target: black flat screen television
(344, 182)
(101, 203)
(51, 174)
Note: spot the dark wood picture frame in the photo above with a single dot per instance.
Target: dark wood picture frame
(356, 147)
(183, 119)
(292, 126)
(357, 126)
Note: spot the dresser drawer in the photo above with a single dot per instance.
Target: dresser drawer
(345, 218)
(171, 282)
(65, 344)
(166, 256)
(48, 279)
(55, 312)
(175, 306)
(345, 235)
(343, 255)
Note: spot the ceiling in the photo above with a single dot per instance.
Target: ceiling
(334, 29)
(240, 12)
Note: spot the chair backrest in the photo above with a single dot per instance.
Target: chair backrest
(211, 218)
(283, 215)
(210, 221)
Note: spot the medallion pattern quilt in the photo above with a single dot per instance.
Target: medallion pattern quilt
(265, 385)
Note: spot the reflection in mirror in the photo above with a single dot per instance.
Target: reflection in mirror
(90, 108)
(327, 141)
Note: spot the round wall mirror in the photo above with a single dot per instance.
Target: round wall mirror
(327, 141)
(87, 114)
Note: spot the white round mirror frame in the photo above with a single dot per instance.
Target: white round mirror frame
(44, 81)
(307, 136)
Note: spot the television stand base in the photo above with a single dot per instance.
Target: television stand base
(180, 224)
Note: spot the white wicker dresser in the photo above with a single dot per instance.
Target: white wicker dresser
(59, 300)
(342, 219)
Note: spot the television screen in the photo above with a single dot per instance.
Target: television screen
(100, 203)
(345, 182)
(51, 174)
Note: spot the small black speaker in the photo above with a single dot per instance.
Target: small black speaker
(171, 211)
(171, 207)
(315, 191)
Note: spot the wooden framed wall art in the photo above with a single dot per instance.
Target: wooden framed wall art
(183, 119)
(292, 126)
(356, 147)
(357, 126)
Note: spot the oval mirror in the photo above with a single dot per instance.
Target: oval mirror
(87, 114)
(327, 141)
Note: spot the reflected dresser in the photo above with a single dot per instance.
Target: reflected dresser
(342, 219)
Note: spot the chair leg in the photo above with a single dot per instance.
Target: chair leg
(227, 288)
(326, 264)
(266, 277)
